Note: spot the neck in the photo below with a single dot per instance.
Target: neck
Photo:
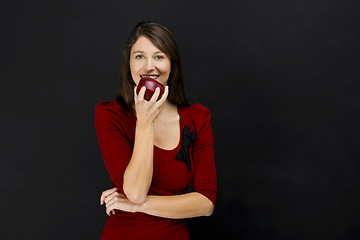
(167, 110)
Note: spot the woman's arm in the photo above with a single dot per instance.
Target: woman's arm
(175, 207)
(138, 173)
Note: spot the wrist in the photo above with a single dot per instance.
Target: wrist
(144, 124)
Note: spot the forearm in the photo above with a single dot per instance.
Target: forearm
(138, 174)
(178, 206)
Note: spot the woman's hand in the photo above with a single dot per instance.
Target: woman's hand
(147, 111)
(113, 200)
(105, 194)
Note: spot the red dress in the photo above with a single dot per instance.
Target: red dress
(115, 128)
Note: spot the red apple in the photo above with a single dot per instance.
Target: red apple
(150, 85)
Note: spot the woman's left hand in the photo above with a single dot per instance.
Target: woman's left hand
(114, 200)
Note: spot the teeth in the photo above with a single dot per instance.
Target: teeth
(147, 76)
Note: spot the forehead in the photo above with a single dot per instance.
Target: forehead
(144, 44)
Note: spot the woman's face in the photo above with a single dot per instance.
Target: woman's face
(146, 60)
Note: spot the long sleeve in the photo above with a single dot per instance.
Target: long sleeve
(115, 147)
(205, 179)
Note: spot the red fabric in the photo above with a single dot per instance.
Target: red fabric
(115, 128)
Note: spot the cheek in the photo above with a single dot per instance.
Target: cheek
(134, 69)
(166, 67)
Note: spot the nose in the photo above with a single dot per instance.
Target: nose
(150, 65)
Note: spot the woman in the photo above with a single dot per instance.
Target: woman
(153, 150)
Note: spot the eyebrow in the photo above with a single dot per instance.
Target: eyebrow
(143, 52)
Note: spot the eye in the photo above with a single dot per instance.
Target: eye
(159, 57)
(139, 56)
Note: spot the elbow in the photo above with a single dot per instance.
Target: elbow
(135, 197)
(207, 206)
(209, 210)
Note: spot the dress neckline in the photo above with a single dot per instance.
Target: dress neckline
(181, 124)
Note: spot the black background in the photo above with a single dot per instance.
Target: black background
(281, 79)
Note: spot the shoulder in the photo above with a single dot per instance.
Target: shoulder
(199, 117)
(110, 113)
(108, 106)
(198, 111)
(111, 109)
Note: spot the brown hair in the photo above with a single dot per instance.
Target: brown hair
(163, 40)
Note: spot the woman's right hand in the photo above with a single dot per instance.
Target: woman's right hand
(147, 111)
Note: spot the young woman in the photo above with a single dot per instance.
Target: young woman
(154, 150)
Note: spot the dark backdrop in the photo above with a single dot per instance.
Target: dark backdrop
(281, 79)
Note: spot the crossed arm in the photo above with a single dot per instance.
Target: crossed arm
(175, 207)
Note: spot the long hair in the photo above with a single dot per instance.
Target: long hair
(163, 40)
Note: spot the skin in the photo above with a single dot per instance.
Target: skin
(157, 124)
(146, 58)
